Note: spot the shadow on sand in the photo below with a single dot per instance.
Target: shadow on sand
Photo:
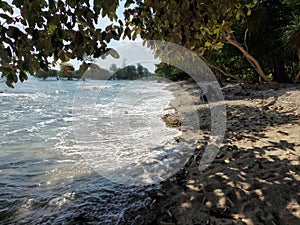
(255, 183)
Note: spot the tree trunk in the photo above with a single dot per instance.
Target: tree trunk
(297, 78)
(280, 75)
(253, 61)
(212, 66)
(298, 75)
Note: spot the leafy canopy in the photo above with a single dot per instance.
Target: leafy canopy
(200, 26)
(197, 25)
(207, 26)
(41, 32)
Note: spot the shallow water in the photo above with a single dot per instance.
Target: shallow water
(85, 152)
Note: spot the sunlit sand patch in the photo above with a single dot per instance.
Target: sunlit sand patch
(294, 208)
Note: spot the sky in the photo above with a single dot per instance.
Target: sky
(131, 53)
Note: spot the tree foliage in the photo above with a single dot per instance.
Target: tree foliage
(206, 26)
(200, 26)
(60, 30)
(170, 72)
(265, 34)
(37, 33)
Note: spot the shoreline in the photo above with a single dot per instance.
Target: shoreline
(255, 176)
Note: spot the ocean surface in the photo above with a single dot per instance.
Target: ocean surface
(76, 152)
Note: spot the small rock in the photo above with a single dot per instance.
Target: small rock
(139, 220)
(241, 223)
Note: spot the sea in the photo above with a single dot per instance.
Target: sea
(83, 152)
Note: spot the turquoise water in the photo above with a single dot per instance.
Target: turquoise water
(73, 152)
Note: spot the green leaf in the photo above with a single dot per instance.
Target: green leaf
(14, 32)
(207, 44)
(6, 7)
(8, 19)
(52, 5)
(23, 76)
(9, 84)
(9, 53)
(127, 33)
(218, 45)
(216, 31)
(114, 53)
(134, 36)
(11, 78)
(128, 3)
(97, 53)
(103, 35)
(249, 12)
(15, 78)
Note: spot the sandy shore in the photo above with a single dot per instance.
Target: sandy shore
(255, 177)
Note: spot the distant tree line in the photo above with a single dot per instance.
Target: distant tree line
(94, 72)
(66, 71)
(130, 72)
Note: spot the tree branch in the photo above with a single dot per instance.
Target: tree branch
(249, 57)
